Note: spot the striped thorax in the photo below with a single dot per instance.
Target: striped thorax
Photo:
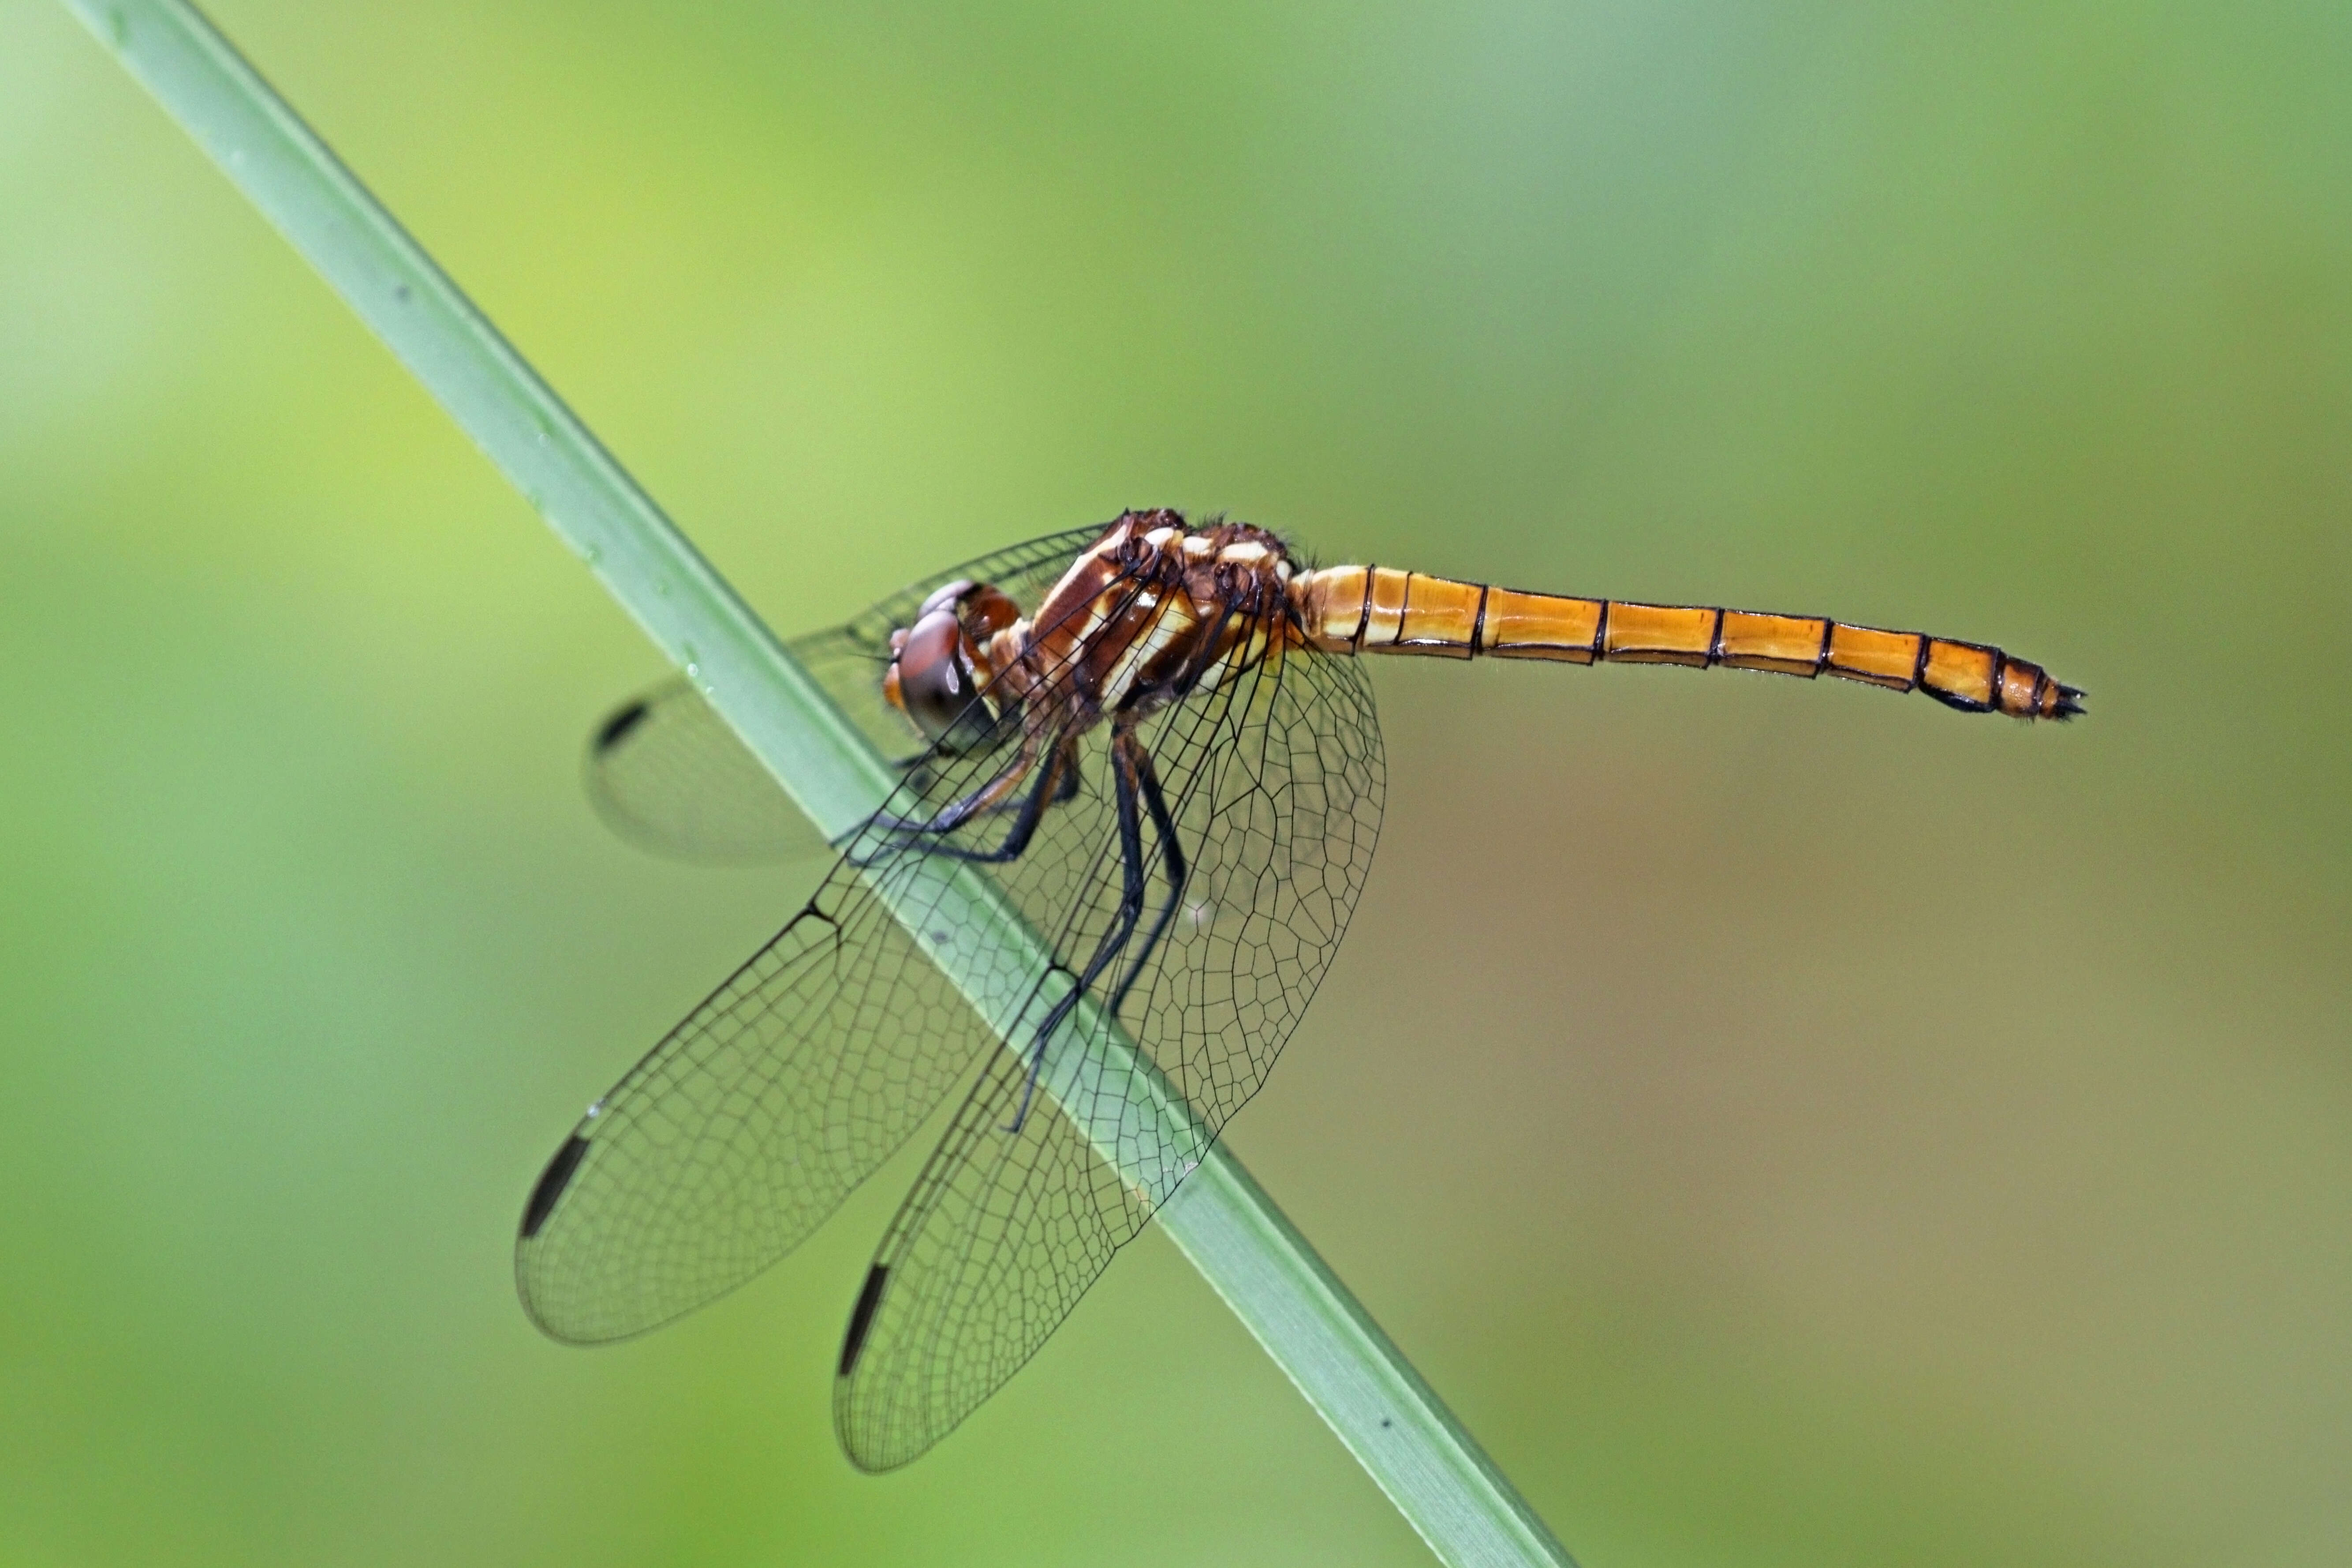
(1153, 612)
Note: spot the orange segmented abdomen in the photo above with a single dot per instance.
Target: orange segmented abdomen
(1380, 609)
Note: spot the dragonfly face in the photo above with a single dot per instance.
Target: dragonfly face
(1208, 690)
(941, 664)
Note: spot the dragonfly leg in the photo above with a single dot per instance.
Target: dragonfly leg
(1148, 784)
(907, 834)
(955, 813)
(1015, 842)
(1134, 875)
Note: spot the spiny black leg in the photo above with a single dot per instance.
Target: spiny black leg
(1132, 876)
(955, 813)
(905, 768)
(1211, 648)
(1147, 781)
(1015, 841)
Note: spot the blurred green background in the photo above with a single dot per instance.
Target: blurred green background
(1791, 1125)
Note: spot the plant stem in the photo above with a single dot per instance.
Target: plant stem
(1224, 1223)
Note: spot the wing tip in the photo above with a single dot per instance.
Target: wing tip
(617, 725)
(548, 1190)
(861, 1318)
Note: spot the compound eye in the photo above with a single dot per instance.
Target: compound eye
(935, 684)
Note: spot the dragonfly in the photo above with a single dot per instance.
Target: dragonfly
(1159, 740)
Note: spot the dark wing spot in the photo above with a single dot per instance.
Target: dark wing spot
(861, 1318)
(551, 1182)
(623, 721)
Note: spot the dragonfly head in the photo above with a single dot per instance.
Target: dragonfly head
(939, 667)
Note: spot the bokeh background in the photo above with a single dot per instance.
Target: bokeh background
(1791, 1125)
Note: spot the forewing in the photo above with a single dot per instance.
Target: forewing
(665, 770)
(748, 1125)
(665, 773)
(1275, 786)
(750, 1121)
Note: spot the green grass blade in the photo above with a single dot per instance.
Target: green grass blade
(1299, 1311)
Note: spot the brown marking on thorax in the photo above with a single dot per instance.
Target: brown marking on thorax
(1151, 611)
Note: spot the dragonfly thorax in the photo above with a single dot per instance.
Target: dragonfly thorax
(1155, 610)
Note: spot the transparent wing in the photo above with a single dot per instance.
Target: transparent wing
(1275, 784)
(665, 773)
(750, 1121)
